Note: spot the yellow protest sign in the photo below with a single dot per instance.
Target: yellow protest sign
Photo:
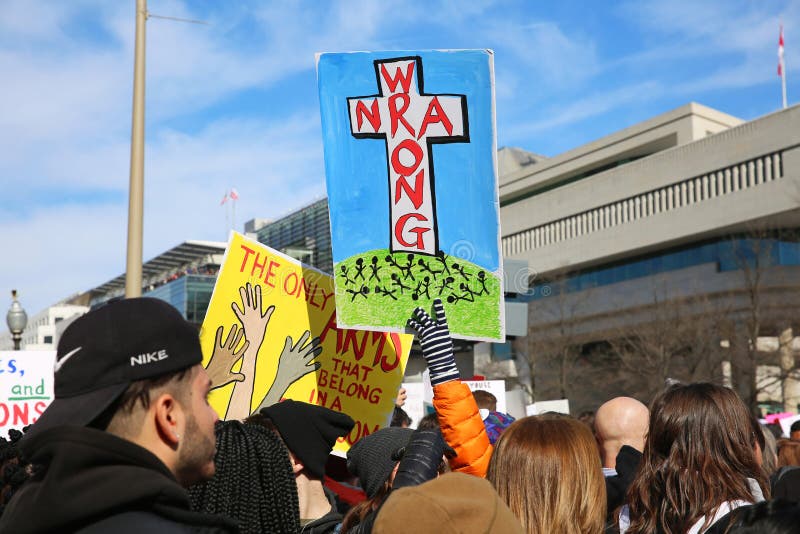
(270, 333)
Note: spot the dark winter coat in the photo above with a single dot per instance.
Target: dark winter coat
(90, 482)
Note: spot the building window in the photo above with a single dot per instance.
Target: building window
(48, 339)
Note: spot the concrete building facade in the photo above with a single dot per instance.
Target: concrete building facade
(673, 203)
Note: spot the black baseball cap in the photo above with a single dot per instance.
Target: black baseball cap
(101, 353)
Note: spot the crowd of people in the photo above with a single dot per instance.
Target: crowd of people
(131, 444)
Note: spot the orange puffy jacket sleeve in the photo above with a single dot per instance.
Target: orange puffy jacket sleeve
(462, 427)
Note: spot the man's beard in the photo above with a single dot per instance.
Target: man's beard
(196, 456)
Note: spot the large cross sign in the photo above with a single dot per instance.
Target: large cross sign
(410, 121)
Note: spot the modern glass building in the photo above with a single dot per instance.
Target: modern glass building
(190, 294)
(184, 276)
(777, 248)
(304, 234)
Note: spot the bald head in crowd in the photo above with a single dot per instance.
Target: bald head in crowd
(620, 421)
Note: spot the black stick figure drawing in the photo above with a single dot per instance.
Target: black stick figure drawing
(407, 268)
(364, 291)
(399, 283)
(482, 280)
(442, 257)
(425, 267)
(454, 298)
(359, 269)
(385, 292)
(446, 285)
(422, 288)
(347, 280)
(464, 287)
(460, 270)
(375, 268)
(390, 260)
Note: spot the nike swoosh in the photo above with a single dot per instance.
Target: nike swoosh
(60, 363)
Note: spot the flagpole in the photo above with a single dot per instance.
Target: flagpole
(782, 65)
(227, 216)
(133, 268)
(783, 84)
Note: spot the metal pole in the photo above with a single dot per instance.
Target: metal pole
(133, 273)
(783, 82)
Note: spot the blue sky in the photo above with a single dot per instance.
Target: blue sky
(234, 103)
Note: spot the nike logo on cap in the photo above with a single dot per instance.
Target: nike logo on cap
(60, 363)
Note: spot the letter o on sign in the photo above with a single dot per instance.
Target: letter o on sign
(416, 152)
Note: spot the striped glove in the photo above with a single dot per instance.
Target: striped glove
(437, 346)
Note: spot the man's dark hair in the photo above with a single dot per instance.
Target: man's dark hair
(795, 426)
(484, 399)
(140, 392)
(400, 418)
(429, 422)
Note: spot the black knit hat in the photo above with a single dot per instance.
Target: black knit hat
(101, 353)
(373, 457)
(309, 431)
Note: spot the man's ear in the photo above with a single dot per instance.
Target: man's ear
(297, 464)
(169, 419)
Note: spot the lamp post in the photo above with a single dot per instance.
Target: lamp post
(16, 319)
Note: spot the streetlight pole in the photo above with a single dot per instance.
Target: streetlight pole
(16, 319)
(133, 272)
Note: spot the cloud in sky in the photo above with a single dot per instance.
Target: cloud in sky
(233, 103)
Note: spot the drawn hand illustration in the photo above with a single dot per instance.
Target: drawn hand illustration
(224, 356)
(296, 361)
(253, 320)
(254, 324)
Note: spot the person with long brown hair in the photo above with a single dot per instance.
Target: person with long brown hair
(788, 453)
(700, 462)
(546, 468)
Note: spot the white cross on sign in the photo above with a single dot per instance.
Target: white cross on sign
(410, 121)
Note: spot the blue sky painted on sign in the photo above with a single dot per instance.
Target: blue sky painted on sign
(356, 169)
(234, 103)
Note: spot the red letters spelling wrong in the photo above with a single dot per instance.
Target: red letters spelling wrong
(410, 121)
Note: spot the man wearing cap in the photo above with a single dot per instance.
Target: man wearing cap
(130, 424)
(310, 432)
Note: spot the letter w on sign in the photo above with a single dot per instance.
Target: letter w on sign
(410, 121)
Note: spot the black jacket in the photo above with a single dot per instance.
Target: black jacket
(89, 482)
(627, 463)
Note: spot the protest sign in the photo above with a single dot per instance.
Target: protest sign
(270, 333)
(411, 169)
(26, 387)
(495, 387)
(557, 406)
(414, 403)
(786, 424)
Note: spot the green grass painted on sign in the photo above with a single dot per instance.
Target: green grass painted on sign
(382, 289)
